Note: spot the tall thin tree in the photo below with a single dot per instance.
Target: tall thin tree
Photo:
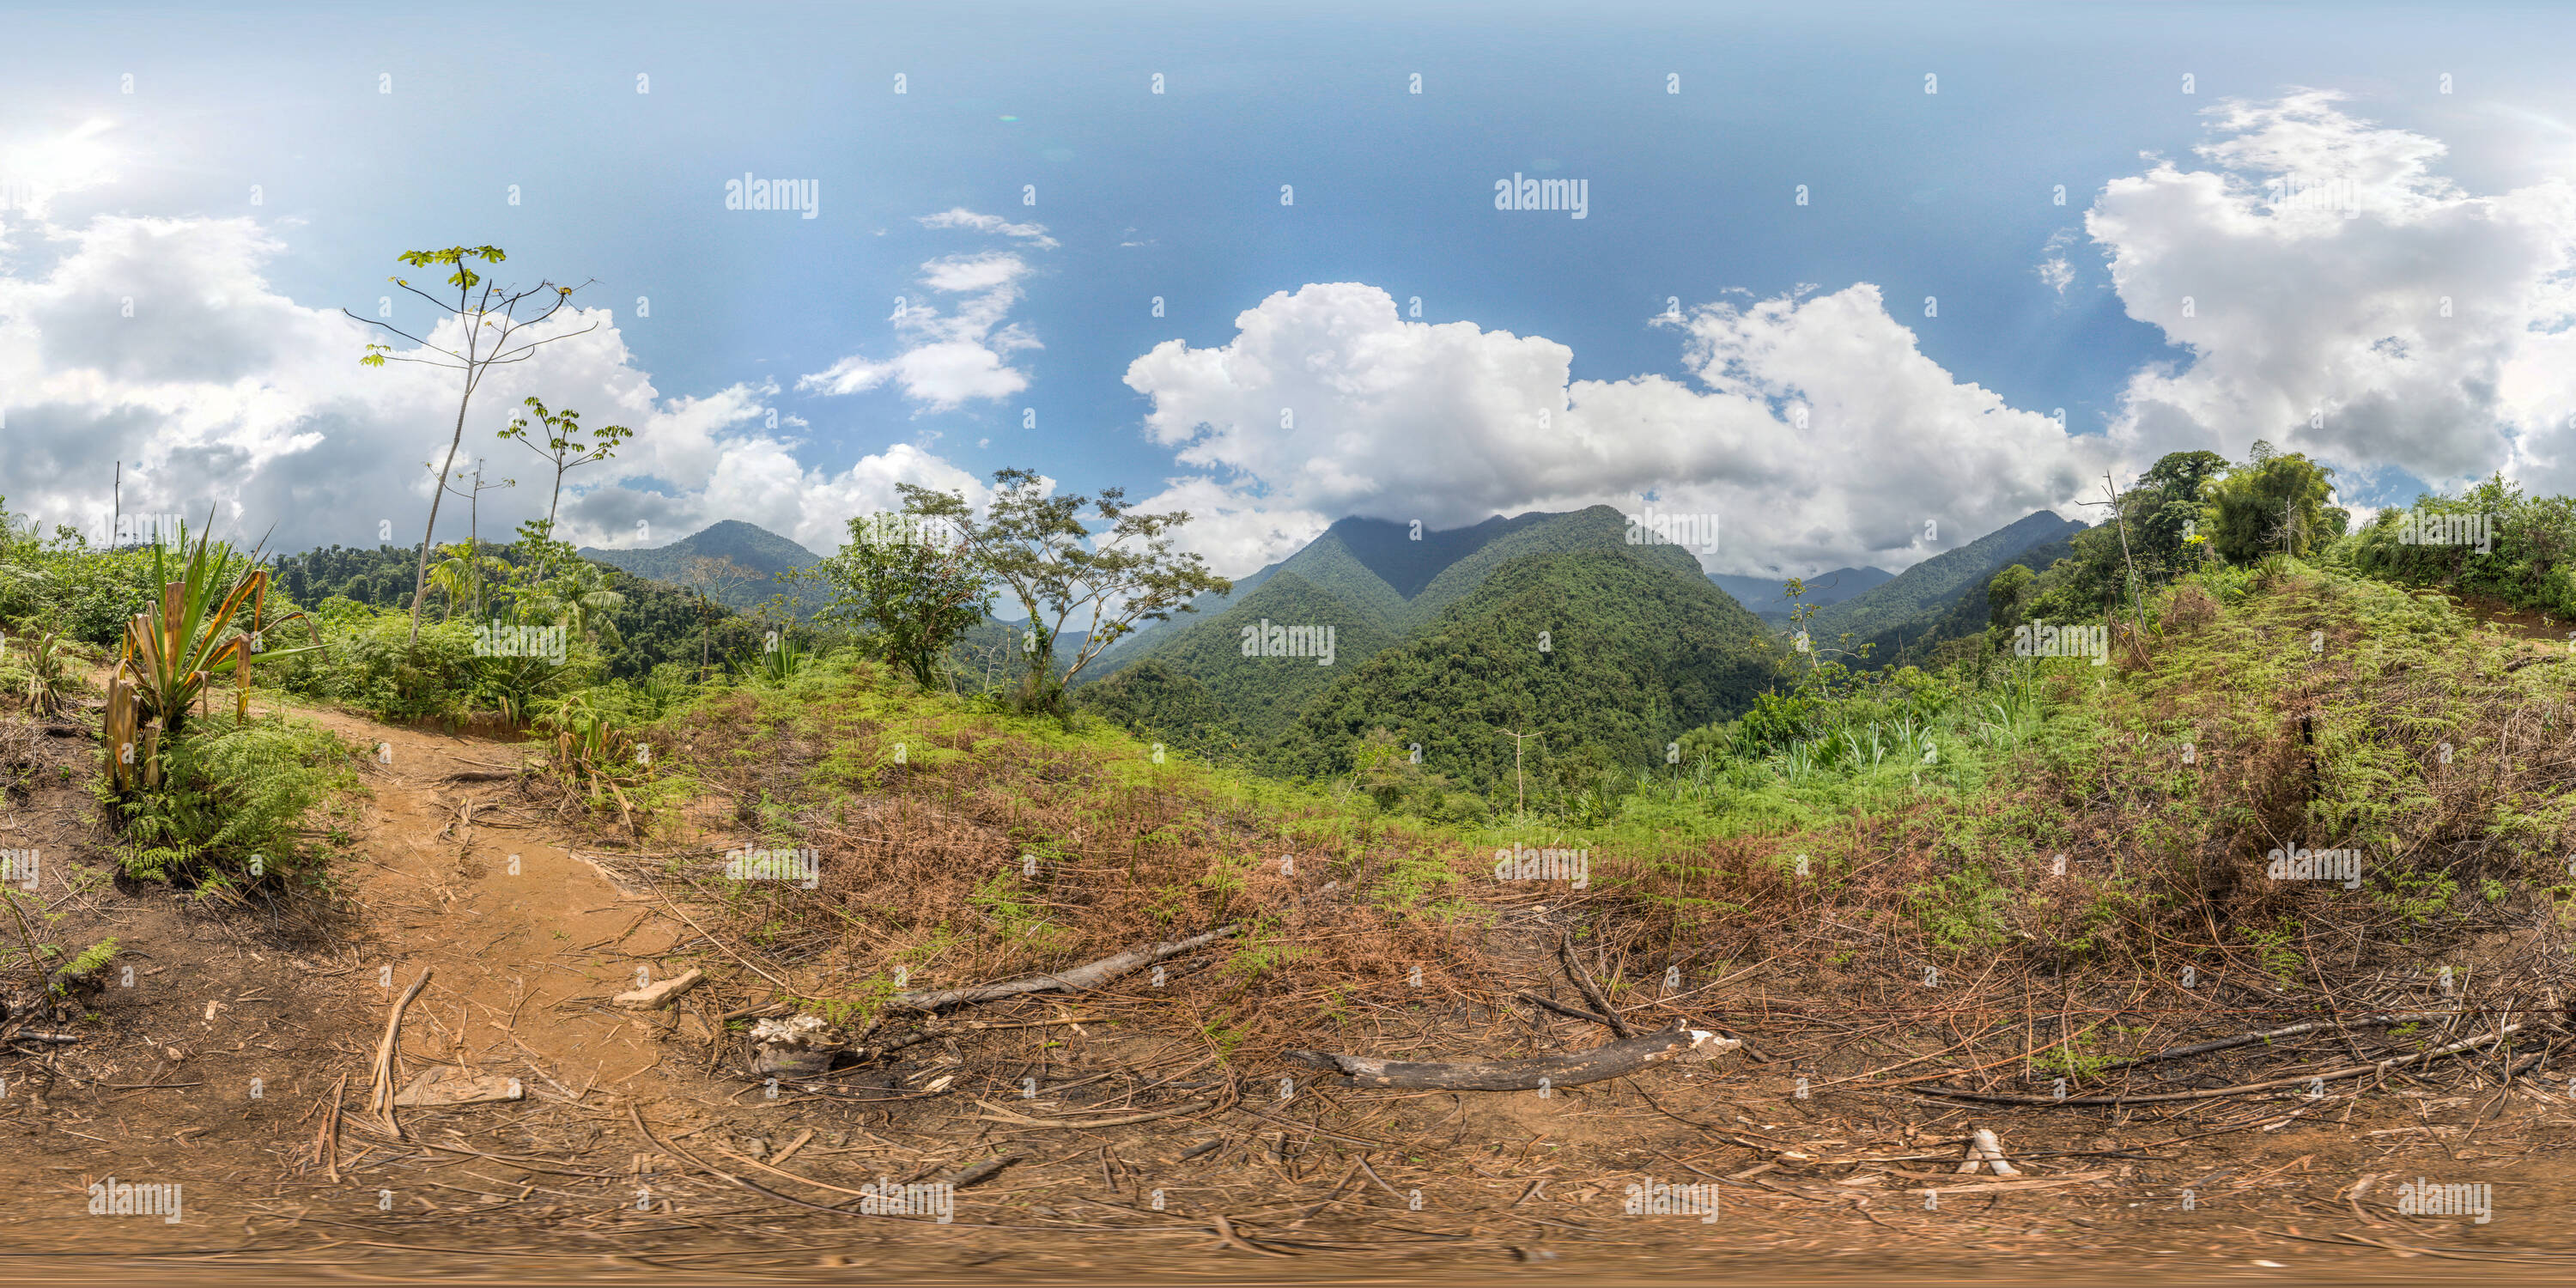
(494, 335)
(563, 446)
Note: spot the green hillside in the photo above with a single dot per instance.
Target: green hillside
(748, 545)
(1159, 704)
(1355, 560)
(1636, 652)
(1591, 528)
(1376, 584)
(1914, 602)
(1967, 615)
(1380, 572)
(1264, 694)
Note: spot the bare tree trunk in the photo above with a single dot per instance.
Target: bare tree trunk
(420, 579)
(2137, 615)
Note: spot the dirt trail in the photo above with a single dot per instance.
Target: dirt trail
(527, 941)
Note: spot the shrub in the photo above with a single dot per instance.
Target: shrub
(378, 669)
(236, 805)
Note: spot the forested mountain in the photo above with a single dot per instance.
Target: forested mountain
(1263, 693)
(1373, 565)
(1375, 582)
(1382, 574)
(1604, 654)
(1159, 703)
(1967, 615)
(1762, 594)
(1908, 606)
(751, 547)
(380, 578)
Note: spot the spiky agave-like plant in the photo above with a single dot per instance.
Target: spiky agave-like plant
(174, 651)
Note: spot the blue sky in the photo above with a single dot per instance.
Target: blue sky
(1177, 195)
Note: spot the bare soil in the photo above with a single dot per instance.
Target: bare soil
(645, 1151)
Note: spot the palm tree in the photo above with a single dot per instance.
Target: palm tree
(578, 597)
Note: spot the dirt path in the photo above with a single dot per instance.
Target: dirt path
(527, 942)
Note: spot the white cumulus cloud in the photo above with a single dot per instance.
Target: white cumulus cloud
(1326, 402)
(963, 355)
(2336, 294)
(162, 344)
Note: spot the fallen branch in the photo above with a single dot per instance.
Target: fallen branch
(636, 1116)
(1090, 975)
(1583, 980)
(1596, 1065)
(1001, 1115)
(2007, 1187)
(1984, 1148)
(380, 1097)
(1225, 1232)
(2348, 1071)
(978, 1173)
(1570, 1012)
(2248, 1039)
(326, 1142)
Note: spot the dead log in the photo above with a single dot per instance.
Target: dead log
(1091, 975)
(1599, 1064)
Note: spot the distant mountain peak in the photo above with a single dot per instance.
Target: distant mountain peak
(747, 544)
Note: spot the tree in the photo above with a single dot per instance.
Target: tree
(2169, 497)
(2275, 502)
(2003, 596)
(713, 577)
(564, 448)
(1039, 546)
(1795, 591)
(908, 585)
(494, 335)
(466, 570)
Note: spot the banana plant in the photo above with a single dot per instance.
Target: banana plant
(575, 595)
(463, 576)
